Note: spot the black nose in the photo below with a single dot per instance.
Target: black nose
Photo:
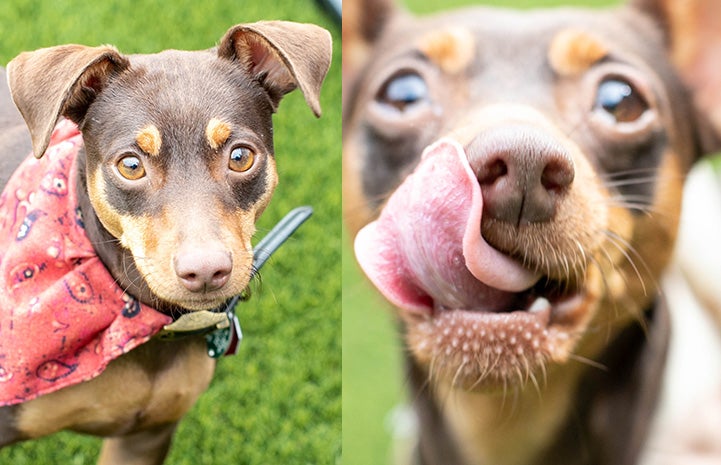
(523, 173)
(201, 270)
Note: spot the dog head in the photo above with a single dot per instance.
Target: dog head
(178, 159)
(516, 177)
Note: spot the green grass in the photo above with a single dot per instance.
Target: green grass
(373, 382)
(279, 400)
(429, 6)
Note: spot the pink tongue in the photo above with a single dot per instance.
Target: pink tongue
(426, 247)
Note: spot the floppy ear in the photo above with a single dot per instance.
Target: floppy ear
(693, 33)
(282, 55)
(55, 81)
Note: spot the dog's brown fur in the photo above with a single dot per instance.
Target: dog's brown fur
(180, 115)
(584, 390)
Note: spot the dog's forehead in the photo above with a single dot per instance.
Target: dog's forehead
(503, 39)
(178, 95)
(188, 78)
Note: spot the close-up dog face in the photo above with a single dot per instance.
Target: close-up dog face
(512, 185)
(579, 162)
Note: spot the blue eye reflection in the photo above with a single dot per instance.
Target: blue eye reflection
(403, 91)
(620, 100)
(611, 93)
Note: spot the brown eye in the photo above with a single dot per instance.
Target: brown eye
(620, 100)
(130, 167)
(241, 159)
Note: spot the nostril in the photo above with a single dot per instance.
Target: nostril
(557, 175)
(200, 270)
(492, 171)
(219, 274)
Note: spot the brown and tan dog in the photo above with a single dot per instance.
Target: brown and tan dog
(175, 165)
(513, 181)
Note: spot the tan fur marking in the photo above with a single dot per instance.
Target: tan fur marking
(149, 140)
(573, 51)
(217, 132)
(451, 49)
(356, 211)
(108, 216)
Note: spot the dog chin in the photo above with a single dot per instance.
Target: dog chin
(478, 350)
(189, 301)
(199, 304)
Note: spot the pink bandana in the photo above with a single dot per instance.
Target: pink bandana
(62, 316)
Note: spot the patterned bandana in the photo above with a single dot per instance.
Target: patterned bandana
(63, 317)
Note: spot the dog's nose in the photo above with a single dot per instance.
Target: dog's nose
(523, 173)
(203, 270)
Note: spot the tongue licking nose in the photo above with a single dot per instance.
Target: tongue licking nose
(426, 249)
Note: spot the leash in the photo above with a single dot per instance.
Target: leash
(221, 325)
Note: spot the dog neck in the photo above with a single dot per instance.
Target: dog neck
(464, 436)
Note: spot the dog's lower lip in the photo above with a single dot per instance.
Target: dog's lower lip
(539, 305)
(540, 312)
(561, 304)
(480, 349)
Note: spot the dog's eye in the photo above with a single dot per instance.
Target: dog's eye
(130, 167)
(621, 100)
(403, 90)
(241, 159)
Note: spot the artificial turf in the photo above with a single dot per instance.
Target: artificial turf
(279, 400)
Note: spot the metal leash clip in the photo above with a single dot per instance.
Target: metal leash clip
(221, 326)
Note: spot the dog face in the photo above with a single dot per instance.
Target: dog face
(178, 136)
(206, 160)
(517, 178)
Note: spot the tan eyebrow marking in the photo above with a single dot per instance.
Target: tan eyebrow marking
(217, 132)
(149, 140)
(451, 49)
(573, 51)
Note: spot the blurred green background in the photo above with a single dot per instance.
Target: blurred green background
(373, 385)
(279, 400)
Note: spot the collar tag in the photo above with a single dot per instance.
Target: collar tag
(194, 323)
(225, 341)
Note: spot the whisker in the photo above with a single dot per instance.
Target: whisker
(643, 208)
(544, 372)
(587, 361)
(642, 199)
(606, 285)
(459, 370)
(617, 241)
(113, 240)
(633, 172)
(641, 260)
(625, 182)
